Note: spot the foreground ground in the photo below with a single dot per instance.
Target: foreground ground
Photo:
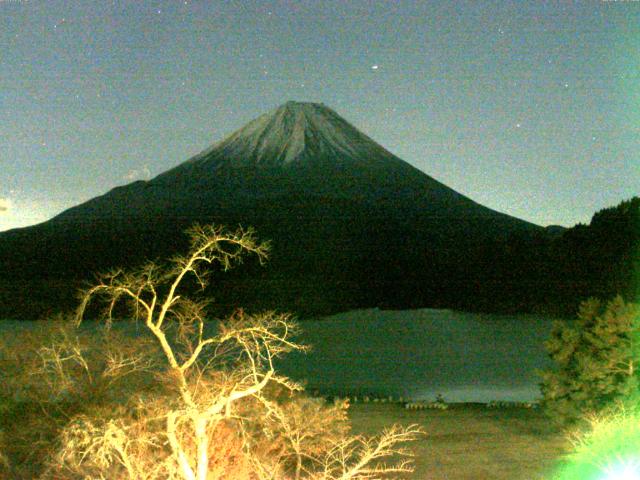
(472, 442)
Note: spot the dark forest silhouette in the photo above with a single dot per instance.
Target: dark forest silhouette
(547, 271)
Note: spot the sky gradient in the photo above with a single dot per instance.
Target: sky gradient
(529, 108)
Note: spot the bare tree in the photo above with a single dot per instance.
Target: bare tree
(216, 375)
(53, 372)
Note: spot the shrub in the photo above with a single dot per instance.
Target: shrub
(53, 372)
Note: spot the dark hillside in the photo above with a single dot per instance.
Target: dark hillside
(351, 226)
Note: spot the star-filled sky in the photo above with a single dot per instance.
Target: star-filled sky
(528, 107)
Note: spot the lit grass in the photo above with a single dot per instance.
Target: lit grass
(472, 442)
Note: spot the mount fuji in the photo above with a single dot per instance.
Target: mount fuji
(351, 224)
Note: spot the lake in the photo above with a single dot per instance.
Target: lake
(417, 354)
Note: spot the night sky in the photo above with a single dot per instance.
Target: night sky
(527, 107)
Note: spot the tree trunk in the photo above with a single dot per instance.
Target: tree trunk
(202, 447)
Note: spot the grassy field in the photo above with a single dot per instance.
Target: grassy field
(472, 442)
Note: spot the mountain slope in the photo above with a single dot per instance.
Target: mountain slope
(299, 150)
(352, 225)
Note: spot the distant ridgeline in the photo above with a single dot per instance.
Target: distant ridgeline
(352, 226)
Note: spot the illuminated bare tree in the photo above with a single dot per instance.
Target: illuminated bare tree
(213, 371)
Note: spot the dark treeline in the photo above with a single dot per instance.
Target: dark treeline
(553, 272)
(322, 264)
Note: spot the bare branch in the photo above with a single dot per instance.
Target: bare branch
(222, 376)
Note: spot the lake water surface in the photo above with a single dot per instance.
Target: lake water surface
(416, 354)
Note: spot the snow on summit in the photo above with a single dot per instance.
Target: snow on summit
(294, 132)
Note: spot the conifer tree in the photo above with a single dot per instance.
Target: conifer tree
(596, 360)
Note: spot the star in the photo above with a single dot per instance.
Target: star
(59, 24)
(518, 125)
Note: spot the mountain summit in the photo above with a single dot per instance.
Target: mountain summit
(352, 225)
(295, 132)
(307, 150)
